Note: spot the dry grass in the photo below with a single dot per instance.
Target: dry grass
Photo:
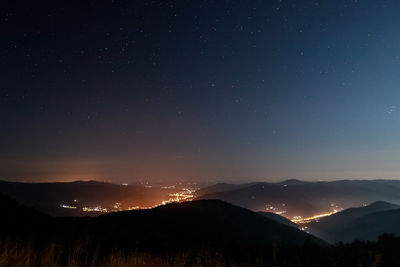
(24, 255)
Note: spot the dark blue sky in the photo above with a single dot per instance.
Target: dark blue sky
(203, 90)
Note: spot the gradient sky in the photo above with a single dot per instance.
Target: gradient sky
(199, 90)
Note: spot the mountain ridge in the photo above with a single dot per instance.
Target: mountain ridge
(340, 226)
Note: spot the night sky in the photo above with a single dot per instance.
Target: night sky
(212, 91)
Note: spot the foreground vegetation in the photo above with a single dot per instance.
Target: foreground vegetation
(381, 253)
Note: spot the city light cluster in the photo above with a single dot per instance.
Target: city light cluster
(67, 207)
(185, 194)
(277, 210)
(300, 220)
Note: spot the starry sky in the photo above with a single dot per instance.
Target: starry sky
(203, 90)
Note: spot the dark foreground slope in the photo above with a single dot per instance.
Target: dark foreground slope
(209, 223)
(278, 218)
(21, 222)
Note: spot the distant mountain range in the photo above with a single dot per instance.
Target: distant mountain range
(298, 198)
(363, 223)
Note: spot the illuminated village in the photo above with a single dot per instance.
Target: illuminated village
(185, 194)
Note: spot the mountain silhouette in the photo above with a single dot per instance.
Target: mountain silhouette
(278, 218)
(351, 224)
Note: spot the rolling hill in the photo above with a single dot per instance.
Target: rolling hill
(363, 223)
(369, 227)
(278, 218)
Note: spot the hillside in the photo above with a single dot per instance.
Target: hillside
(347, 225)
(371, 226)
(278, 218)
